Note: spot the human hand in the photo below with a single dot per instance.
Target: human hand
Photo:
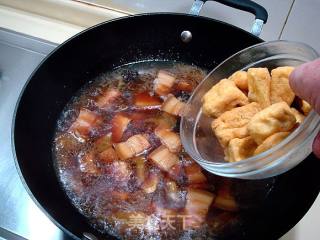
(305, 82)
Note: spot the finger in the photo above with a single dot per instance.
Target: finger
(316, 146)
(305, 82)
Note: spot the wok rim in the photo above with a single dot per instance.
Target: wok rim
(54, 51)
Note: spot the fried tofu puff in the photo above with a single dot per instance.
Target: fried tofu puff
(233, 123)
(299, 116)
(222, 97)
(239, 149)
(259, 83)
(271, 142)
(240, 78)
(280, 88)
(275, 118)
(305, 107)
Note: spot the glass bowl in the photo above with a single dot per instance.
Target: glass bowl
(200, 142)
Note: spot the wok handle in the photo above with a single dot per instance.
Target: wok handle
(260, 12)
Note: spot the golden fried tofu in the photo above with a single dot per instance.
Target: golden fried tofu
(240, 78)
(222, 97)
(271, 142)
(276, 118)
(233, 123)
(280, 88)
(259, 83)
(239, 149)
(299, 116)
(305, 107)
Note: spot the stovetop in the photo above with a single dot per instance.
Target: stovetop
(20, 218)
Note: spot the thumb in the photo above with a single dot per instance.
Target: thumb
(305, 82)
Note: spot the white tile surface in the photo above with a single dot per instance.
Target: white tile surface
(303, 23)
(278, 11)
(24, 22)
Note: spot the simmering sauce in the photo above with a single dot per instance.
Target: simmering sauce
(120, 160)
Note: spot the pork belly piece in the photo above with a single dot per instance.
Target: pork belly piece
(120, 171)
(224, 199)
(145, 100)
(103, 143)
(163, 83)
(194, 174)
(164, 121)
(163, 158)
(119, 125)
(197, 206)
(172, 190)
(132, 147)
(107, 97)
(183, 85)
(169, 139)
(173, 106)
(150, 184)
(140, 169)
(177, 172)
(87, 164)
(85, 123)
(109, 155)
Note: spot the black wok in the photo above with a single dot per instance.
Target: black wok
(127, 40)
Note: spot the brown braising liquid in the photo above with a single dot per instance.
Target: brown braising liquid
(110, 195)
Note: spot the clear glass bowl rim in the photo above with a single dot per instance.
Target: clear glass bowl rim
(215, 165)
